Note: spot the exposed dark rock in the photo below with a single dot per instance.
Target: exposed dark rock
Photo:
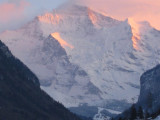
(20, 95)
(149, 95)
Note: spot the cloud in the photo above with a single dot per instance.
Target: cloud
(12, 11)
(14, 1)
(15, 13)
(140, 10)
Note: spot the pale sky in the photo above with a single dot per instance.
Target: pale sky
(14, 13)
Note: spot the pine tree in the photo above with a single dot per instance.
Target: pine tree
(120, 118)
(140, 112)
(147, 115)
(112, 118)
(133, 113)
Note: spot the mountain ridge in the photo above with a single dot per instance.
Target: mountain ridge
(105, 50)
(20, 95)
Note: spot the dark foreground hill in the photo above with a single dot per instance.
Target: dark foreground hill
(20, 95)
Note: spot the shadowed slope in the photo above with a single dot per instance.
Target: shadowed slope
(20, 95)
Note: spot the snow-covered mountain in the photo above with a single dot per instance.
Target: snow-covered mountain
(96, 60)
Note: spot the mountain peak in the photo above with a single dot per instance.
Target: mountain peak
(138, 28)
(135, 29)
(56, 15)
(62, 42)
(71, 16)
(72, 9)
(102, 47)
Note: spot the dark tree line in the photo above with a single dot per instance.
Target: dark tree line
(138, 113)
(135, 114)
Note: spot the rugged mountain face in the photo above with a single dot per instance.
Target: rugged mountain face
(100, 59)
(150, 91)
(149, 95)
(20, 95)
(69, 80)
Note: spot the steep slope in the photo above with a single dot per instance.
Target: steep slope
(149, 95)
(70, 83)
(20, 95)
(110, 54)
(150, 91)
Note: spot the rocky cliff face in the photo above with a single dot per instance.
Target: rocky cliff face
(71, 82)
(150, 90)
(149, 96)
(20, 95)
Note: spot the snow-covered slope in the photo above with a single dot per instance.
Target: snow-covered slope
(102, 58)
(64, 81)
